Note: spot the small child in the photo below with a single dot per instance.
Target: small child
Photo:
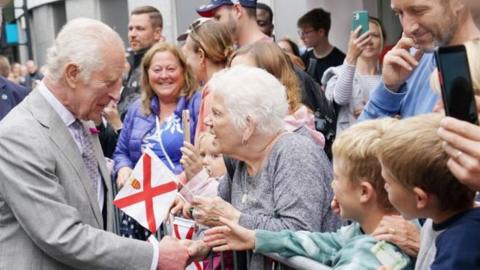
(202, 180)
(203, 169)
(360, 195)
(420, 185)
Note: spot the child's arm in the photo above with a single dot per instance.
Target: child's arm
(321, 247)
(231, 236)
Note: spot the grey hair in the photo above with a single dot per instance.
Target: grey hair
(252, 92)
(84, 42)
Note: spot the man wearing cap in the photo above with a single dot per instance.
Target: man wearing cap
(144, 30)
(240, 18)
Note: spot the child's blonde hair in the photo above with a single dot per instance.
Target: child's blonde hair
(355, 146)
(413, 153)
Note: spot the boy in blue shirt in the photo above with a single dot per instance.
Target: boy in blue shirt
(420, 185)
(360, 196)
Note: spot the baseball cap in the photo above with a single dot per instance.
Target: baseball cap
(208, 10)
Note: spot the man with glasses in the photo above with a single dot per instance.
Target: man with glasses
(313, 30)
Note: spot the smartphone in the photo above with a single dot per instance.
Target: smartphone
(456, 83)
(186, 125)
(360, 18)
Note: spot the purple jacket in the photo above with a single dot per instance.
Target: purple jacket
(137, 124)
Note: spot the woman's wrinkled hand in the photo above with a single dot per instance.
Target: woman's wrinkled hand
(207, 211)
(401, 232)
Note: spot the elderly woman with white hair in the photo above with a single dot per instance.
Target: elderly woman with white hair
(276, 179)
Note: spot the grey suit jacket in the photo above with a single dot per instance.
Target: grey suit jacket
(49, 215)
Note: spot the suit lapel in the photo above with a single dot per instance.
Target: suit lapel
(61, 137)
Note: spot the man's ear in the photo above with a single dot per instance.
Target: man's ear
(422, 198)
(72, 75)
(157, 33)
(367, 192)
(251, 127)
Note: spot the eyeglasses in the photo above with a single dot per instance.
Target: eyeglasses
(301, 33)
(198, 22)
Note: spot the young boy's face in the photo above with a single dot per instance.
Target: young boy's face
(400, 197)
(345, 191)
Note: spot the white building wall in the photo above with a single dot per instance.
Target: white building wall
(82, 8)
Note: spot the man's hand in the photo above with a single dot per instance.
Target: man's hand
(229, 237)
(172, 254)
(398, 63)
(197, 250)
(462, 144)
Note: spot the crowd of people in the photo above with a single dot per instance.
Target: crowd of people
(346, 158)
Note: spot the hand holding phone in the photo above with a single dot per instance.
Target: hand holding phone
(456, 83)
(360, 18)
(359, 37)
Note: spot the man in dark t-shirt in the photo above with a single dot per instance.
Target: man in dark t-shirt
(314, 27)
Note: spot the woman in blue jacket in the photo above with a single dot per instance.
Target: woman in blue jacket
(155, 120)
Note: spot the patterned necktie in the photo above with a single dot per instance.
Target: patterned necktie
(88, 155)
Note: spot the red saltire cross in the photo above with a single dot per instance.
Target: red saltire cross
(147, 194)
(189, 235)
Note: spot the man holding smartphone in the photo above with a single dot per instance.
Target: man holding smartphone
(405, 90)
(463, 138)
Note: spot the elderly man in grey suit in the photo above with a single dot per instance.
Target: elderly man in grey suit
(55, 192)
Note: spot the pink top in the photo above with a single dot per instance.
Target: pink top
(200, 185)
(304, 117)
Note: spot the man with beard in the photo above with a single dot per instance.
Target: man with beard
(240, 18)
(144, 29)
(405, 89)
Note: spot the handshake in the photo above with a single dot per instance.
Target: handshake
(177, 254)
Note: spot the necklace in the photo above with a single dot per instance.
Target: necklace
(244, 187)
(244, 197)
